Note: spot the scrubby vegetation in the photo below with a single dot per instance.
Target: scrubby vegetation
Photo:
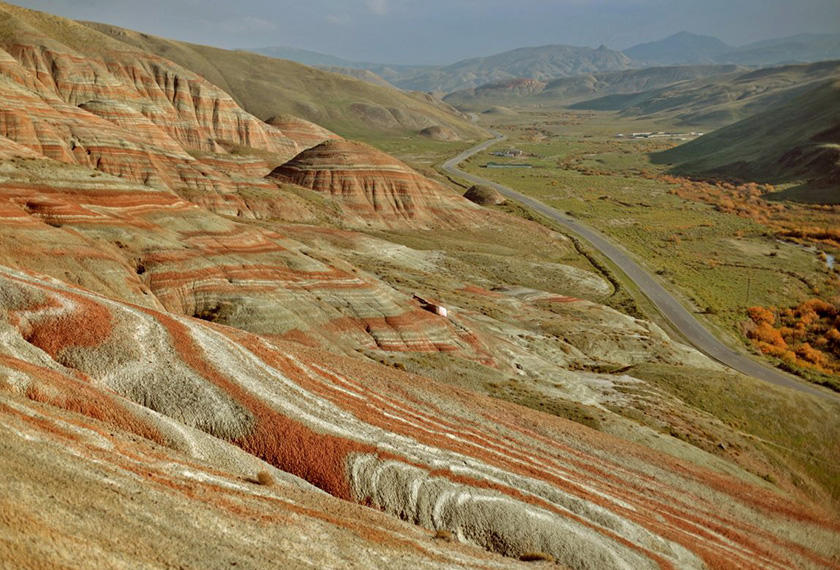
(805, 336)
(812, 223)
(723, 245)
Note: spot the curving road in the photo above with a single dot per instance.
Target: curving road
(679, 317)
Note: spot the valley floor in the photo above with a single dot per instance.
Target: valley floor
(722, 249)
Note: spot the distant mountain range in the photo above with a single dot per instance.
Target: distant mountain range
(687, 48)
(541, 63)
(567, 90)
(706, 96)
(680, 48)
(546, 63)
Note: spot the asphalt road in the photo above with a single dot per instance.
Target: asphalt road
(680, 318)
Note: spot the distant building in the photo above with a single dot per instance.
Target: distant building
(431, 306)
(507, 165)
(509, 153)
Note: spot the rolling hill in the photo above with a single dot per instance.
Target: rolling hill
(266, 87)
(721, 99)
(796, 141)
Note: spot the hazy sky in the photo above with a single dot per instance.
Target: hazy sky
(444, 31)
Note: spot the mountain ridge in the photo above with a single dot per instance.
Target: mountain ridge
(554, 61)
(718, 100)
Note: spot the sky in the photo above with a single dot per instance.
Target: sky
(445, 31)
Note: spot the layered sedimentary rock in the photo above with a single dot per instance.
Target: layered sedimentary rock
(300, 130)
(173, 321)
(151, 247)
(441, 458)
(81, 492)
(88, 99)
(377, 189)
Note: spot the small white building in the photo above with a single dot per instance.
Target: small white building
(432, 307)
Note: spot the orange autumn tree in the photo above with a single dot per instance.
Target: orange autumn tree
(807, 335)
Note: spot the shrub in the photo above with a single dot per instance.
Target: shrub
(765, 333)
(265, 478)
(761, 315)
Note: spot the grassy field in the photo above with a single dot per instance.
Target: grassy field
(720, 263)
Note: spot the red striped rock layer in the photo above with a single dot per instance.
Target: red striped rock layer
(376, 189)
(81, 66)
(67, 476)
(74, 95)
(141, 152)
(508, 479)
(150, 247)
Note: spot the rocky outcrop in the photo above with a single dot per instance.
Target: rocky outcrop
(375, 189)
(150, 247)
(484, 195)
(78, 65)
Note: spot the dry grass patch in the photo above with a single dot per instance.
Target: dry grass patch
(444, 535)
(536, 557)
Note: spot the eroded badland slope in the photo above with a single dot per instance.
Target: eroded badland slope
(210, 353)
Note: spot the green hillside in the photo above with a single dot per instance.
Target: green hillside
(719, 99)
(794, 142)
